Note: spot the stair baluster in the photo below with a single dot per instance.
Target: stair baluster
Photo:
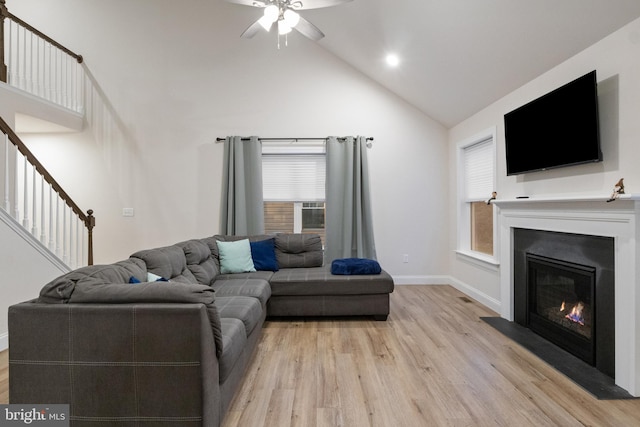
(17, 165)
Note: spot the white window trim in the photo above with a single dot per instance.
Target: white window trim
(297, 217)
(463, 207)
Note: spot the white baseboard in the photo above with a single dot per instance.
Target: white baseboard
(4, 341)
(421, 280)
(482, 298)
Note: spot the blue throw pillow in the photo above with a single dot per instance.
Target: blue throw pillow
(263, 253)
(348, 266)
(150, 278)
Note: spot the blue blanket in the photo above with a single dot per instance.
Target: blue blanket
(348, 266)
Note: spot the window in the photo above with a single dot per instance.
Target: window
(476, 163)
(312, 216)
(293, 177)
(482, 227)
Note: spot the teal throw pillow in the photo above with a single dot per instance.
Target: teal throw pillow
(235, 257)
(155, 278)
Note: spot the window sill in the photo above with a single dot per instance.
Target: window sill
(479, 259)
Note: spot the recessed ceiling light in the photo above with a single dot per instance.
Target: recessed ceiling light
(392, 60)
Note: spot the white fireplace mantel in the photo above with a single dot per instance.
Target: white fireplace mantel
(591, 216)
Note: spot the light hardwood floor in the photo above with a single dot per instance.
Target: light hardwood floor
(433, 363)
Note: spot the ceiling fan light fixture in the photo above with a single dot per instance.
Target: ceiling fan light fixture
(271, 13)
(291, 18)
(287, 14)
(266, 23)
(283, 27)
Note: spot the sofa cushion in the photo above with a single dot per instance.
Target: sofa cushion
(148, 292)
(298, 250)
(199, 261)
(320, 281)
(263, 275)
(246, 309)
(169, 262)
(255, 288)
(60, 289)
(235, 257)
(234, 341)
(87, 290)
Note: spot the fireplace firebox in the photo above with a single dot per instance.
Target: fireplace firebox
(564, 292)
(560, 304)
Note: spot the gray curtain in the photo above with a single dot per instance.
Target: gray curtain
(349, 226)
(242, 211)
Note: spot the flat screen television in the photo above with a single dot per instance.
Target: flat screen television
(558, 129)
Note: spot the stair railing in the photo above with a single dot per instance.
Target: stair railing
(34, 62)
(41, 206)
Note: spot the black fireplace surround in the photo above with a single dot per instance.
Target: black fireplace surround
(553, 269)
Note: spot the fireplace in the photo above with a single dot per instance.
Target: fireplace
(617, 223)
(564, 292)
(560, 301)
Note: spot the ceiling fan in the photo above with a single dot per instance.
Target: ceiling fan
(284, 13)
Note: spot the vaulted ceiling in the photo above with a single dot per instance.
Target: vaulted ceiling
(458, 56)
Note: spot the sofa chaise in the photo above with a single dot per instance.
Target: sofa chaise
(165, 336)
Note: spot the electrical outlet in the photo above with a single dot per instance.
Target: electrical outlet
(405, 258)
(127, 212)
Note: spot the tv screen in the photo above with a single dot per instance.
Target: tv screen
(558, 129)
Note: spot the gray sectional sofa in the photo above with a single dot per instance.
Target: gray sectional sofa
(123, 350)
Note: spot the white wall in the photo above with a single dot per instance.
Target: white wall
(78, 165)
(25, 269)
(174, 84)
(617, 62)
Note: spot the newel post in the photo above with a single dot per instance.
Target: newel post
(3, 67)
(90, 223)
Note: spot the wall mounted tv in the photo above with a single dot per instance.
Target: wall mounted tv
(558, 129)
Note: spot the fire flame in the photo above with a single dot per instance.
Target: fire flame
(562, 306)
(576, 313)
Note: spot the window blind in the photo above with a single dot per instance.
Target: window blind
(479, 170)
(293, 176)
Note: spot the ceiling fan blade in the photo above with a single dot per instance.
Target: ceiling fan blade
(312, 4)
(252, 30)
(256, 3)
(309, 30)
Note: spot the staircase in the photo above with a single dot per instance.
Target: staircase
(43, 232)
(34, 65)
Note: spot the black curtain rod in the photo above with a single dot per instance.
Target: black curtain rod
(287, 139)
